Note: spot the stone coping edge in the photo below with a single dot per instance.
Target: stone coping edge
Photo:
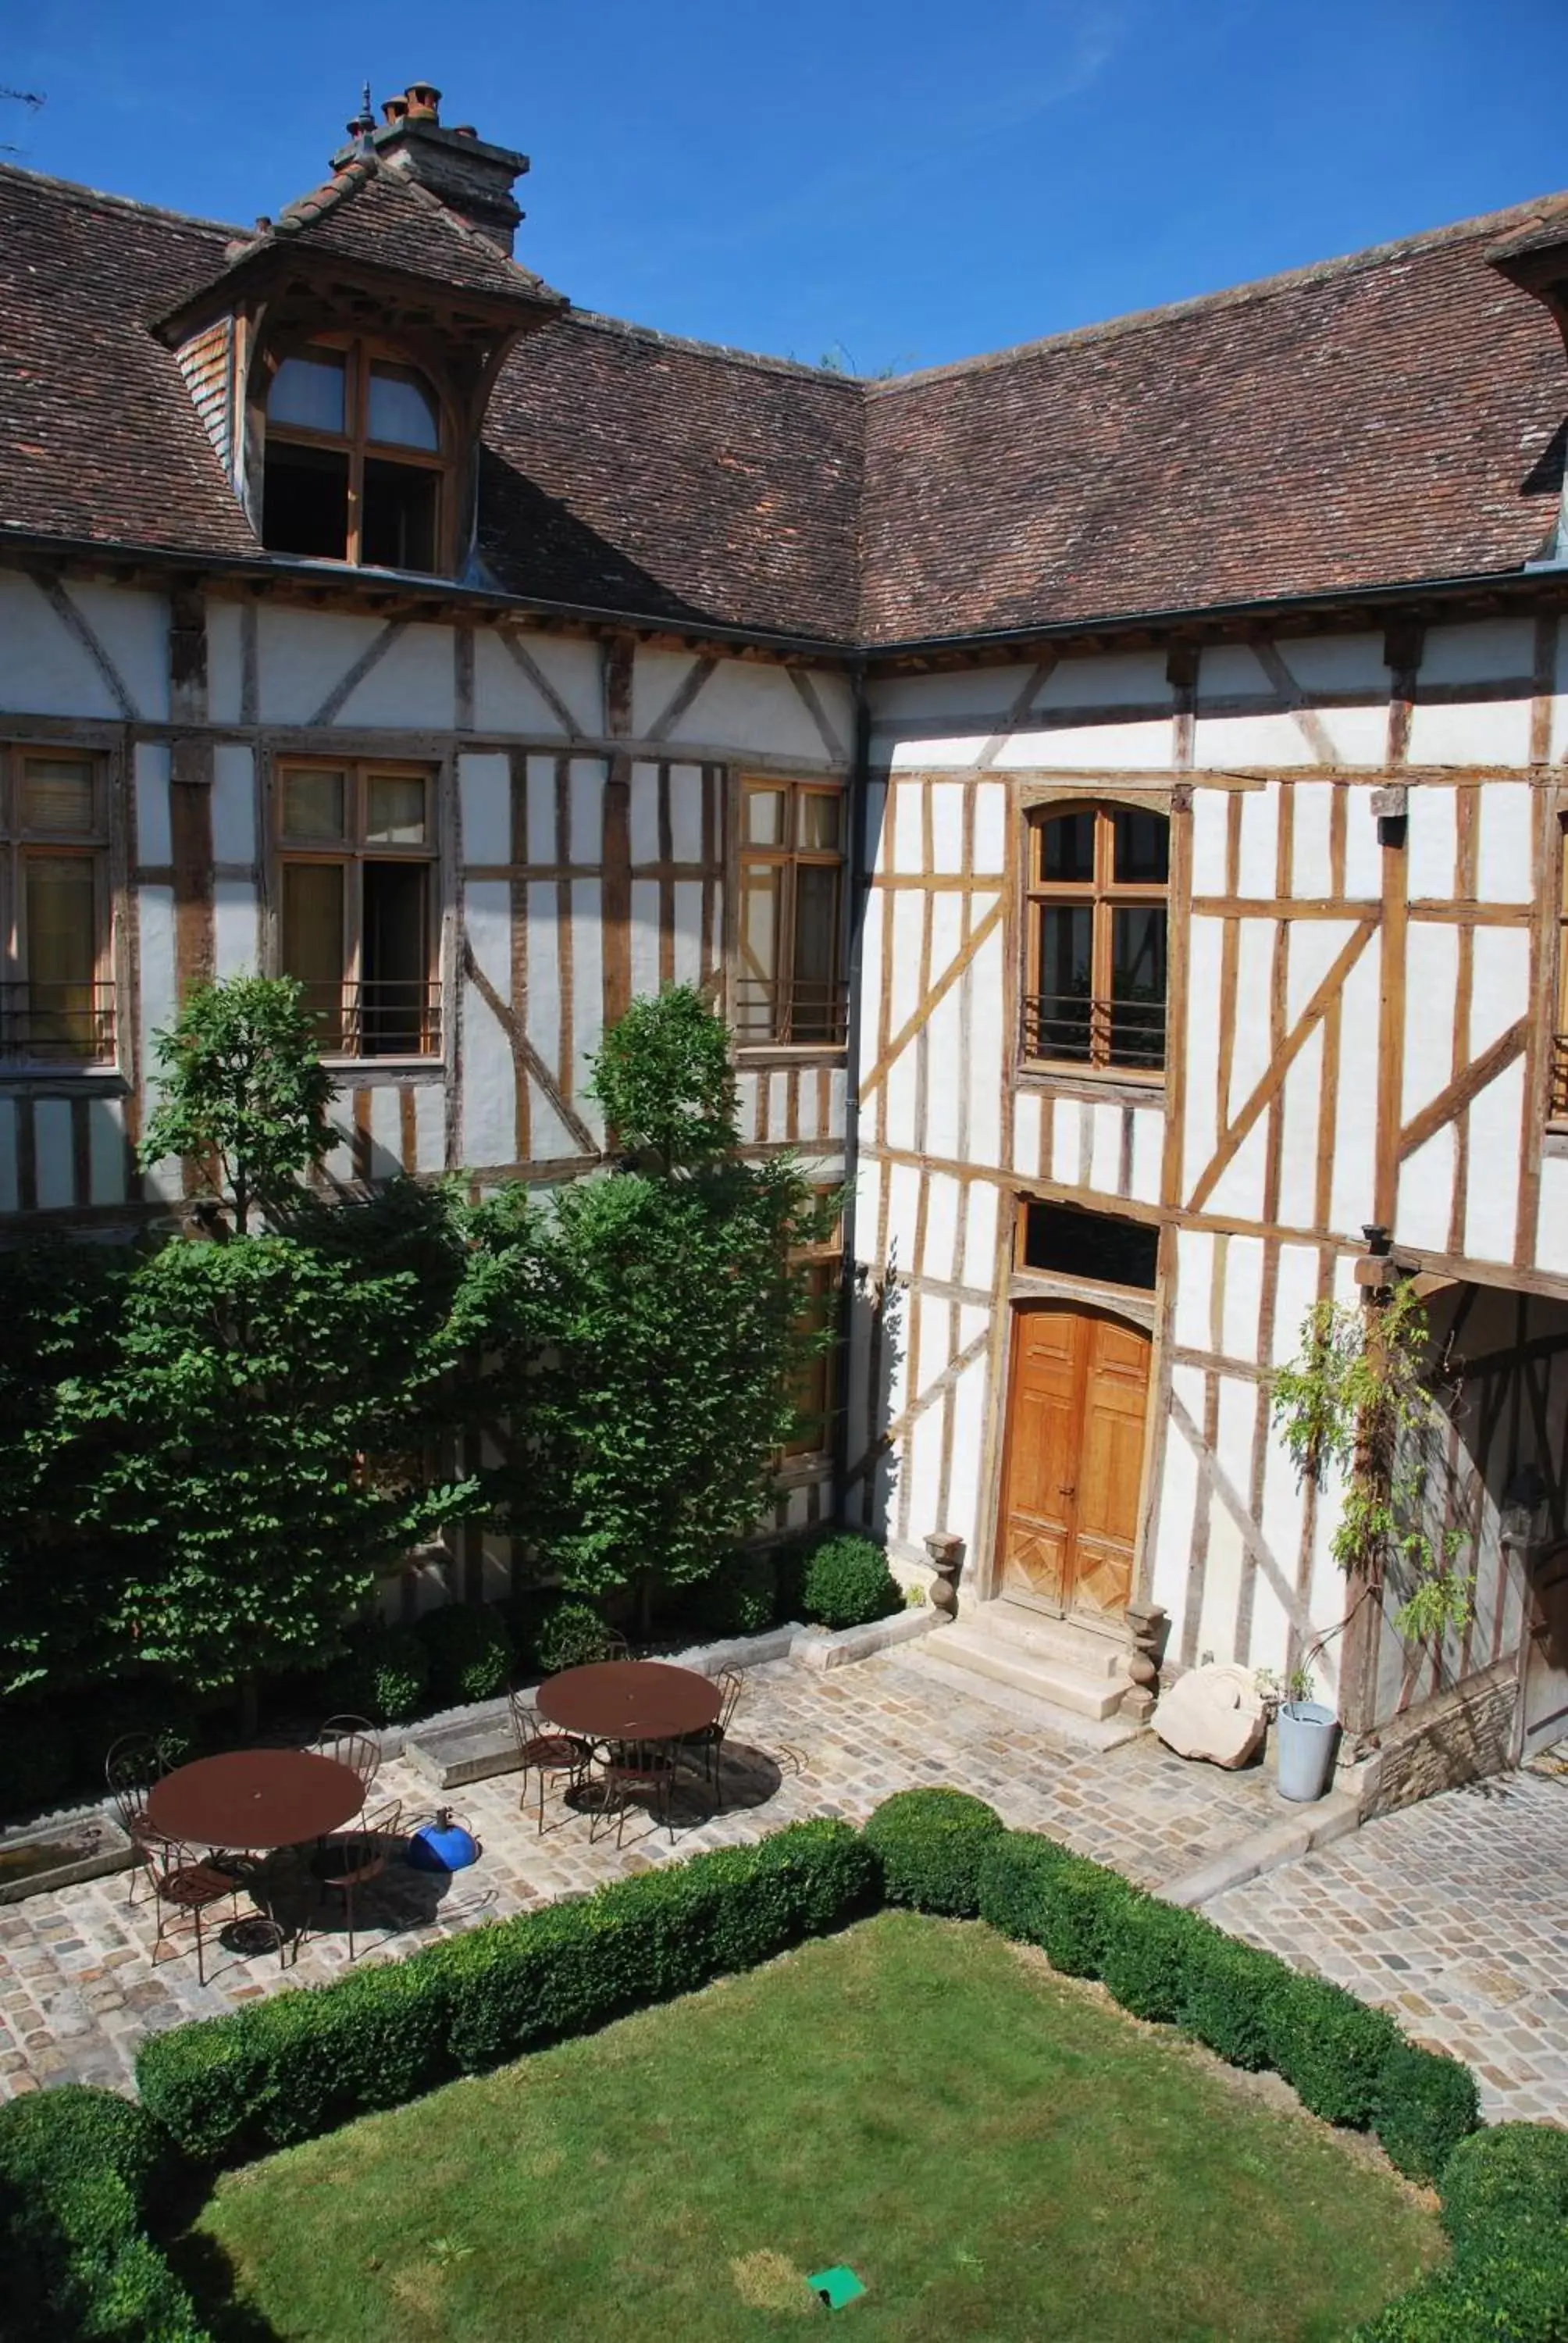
(1286, 1841)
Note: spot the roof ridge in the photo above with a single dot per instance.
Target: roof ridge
(459, 226)
(1259, 288)
(79, 192)
(602, 322)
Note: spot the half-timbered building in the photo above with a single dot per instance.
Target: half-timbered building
(1114, 789)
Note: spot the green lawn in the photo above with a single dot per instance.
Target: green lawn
(998, 2154)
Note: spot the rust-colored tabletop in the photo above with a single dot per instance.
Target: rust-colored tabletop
(631, 1700)
(256, 1798)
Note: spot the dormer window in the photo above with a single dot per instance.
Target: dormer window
(356, 459)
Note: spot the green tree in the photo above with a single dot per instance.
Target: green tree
(244, 1091)
(261, 1429)
(657, 1323)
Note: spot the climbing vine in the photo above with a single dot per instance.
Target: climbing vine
(1356, 1403)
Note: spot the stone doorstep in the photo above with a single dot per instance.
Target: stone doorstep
(1069, 1728)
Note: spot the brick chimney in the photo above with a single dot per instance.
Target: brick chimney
(471, 176)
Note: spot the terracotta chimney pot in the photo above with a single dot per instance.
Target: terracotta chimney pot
(394, 109)
(423, 102)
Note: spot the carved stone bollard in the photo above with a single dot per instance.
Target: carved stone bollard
(1148, 1626)
(946, 1549)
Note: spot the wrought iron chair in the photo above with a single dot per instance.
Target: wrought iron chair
(351, 1741)
(182, 1880)
(615, 1646)
(132, 1766)
(629, 1770)
(549, 1755)
(707, 1744)
(355, 1860)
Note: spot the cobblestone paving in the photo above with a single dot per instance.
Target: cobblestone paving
(1455, 1916)
(79, 1986)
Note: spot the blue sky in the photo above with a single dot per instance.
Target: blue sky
(905, 182)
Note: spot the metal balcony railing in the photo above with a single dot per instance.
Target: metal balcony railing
(1072, 1028)
(1560, 1078)
(807, 1012)
(58, 1024)
(382, 1018)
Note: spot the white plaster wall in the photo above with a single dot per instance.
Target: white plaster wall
(506, 698)
(1493, 1198)
(541, 844)
(1503, 860)
(234, 810)
(236, 940)
(156, 925)
(1481, 650)
(152, 788)
(133, 629)
(302, 656)
(1552, 1236)
(752, 709)
(1432, 841)
(1355, 1121)
(1471, 732)
(225, 666)
(1432, 979)
(686, 812)
(484, 797)
(412, 688)
(107, 1160)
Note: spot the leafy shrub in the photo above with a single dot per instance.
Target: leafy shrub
(301, 2063)
(932, 1844)
(1510, 2179)
(164, 1713)
(1009, 1885)
(848, 1583)
(1329, 2046)
(1427, 2103)
(35, 1757)
(1079, 1903)
(1144, 1963)
(1226, 1995)
(384, 1676)
(571, 1635)
(739, 1599)
(1446, 2307)
(80, 2170)
(470, 1652)
(791, 1558)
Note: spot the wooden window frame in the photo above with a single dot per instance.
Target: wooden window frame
(791, 858)
(1102, 895)
(350, 853)
(19, 845)
(361, 352)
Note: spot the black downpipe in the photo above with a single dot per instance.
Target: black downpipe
(860, 794)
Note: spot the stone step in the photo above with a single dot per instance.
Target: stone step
(1054, 1642)
(469, 1751)
(1006, 1661)
(1066, 1728)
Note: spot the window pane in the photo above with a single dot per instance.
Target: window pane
(1089, 1244)
(1138, 987)
(310, 392)
(765, 817)
(398, 529)
(814, 1009)
(402, 412)
(313, 805)
(58, 794)
(1142, 854)
(312, 942)
(395, 961)
(761, 895)
(1067, 848)
(395, 809)
(1057, 1021)
(305, 501)
(62, 958)
(820, 819)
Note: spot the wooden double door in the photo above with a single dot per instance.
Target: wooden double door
(1073, 1460)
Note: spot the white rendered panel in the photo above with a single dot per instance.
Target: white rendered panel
(947, 1069)
(133, 629)
(586, 785)
(1147, 1151)
(1501, 991)
(947, 805)
(1300, 1098)
(224, 664)
(961, 692)
(1426, 1192)
(643, 937)
(236, 939)
(1209, 826)
(413, 688)
(429, 1128)
(1240, 1188)
(1251, 1050)
(1337, 663)
(963, 751)
(943, 1197)
(1194, 1283)
(1282, 1508)
(1311, 866)
(899, 1081)
(1482, 651)
(540, 951)
(1227, 1554)
(1026, 1133)
(152, 770)
(385, 1133)
(1228, 742)
(232, 803)
(644, 815)
(1260, 841)
(587, 995)
(1094, 748)
(657, 676)
(903, 1211)
(302, 656)
(688, 894)
(908, 799)
(1552, 1236)
(1355, 1130)
(1505, 873)
(747, 1091)
(871, 948)
(489, 1107)
(1178, 1501)
(686, 812)
(1231, 671)
(1364, 848)
(1204, 938)
(1432, 974)
(1125, 679)
(156, 932)
(753, 709)
(485, 792)
(981, 1236)
(1314, 946)
(779, 1104)
(1066, 1140)
(1471, 732)
(983, 979)
(506, 696)
(1356, 736)
(876, 841)
(488, 929)
(1431, 840)
(837, 1093)
(43, 669)
(1491, 1200)
(541, 843)
(1105, 1151)
(991, 828)
(106, 1162)
(1295, 1292)
(1243, 1298)
(53, 1164)
(968, 1443)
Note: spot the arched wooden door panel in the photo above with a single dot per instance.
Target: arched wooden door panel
(1078, 1391)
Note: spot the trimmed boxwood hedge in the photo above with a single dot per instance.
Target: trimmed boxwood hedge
(301, 2063)
(81, 2170)
(931, 1844)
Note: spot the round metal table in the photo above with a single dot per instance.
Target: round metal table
(629, 1700)
(255, 1798)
